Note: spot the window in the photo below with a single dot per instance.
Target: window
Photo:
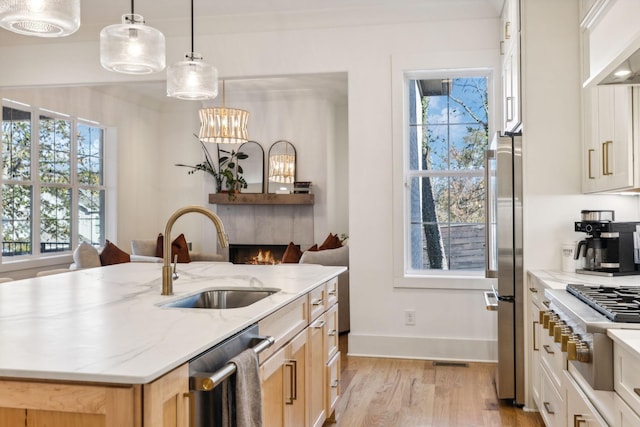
(53, 192)
(447, 135)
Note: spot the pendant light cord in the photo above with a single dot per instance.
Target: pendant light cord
(192, 48)
(132, 6)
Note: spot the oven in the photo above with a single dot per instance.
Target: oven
(578, 319)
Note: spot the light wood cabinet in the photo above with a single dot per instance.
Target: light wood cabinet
(32, 403)
(301, 378)
(166, 399)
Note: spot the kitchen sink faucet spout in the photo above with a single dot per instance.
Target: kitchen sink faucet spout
(167, 274)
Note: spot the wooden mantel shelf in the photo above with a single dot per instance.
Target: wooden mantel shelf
(262, 199)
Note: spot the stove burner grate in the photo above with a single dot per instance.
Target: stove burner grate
(620, 304)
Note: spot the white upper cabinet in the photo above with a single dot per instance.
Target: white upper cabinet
(610, 34)
(510, 51)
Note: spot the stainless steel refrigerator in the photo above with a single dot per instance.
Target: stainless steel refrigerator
(504, 260)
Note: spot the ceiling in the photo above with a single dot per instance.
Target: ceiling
(228, 16)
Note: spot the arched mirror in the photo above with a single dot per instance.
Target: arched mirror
(252, 167)
(282, 167)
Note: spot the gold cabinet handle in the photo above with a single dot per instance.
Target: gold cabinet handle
(332, 292)
(319, 325)
(501, 47)
(547, 407)
(317, 302)
(293, 380)
(605, 158)
(535, 322)
(578, 420)
(335, 383)
(637, 391)
(548, 349)
(507, 30)
(332, 333)
(590, 152)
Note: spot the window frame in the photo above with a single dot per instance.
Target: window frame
(38, 258)
(405, 69)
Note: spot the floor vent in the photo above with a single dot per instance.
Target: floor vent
(453, 364)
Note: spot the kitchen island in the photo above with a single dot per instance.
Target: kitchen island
(102, 333)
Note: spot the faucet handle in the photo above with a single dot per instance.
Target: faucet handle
(174, 275)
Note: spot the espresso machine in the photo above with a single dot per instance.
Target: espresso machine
(610, 246)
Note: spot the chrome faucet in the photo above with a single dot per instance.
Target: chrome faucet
(167, 274)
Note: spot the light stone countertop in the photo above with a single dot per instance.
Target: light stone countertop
(105, 324)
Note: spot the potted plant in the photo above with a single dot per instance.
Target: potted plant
(229, 172)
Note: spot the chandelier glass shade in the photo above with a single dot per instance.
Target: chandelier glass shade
(223, 125)
(42, 18)
(282, 168)
(192, 79)
(132, 47)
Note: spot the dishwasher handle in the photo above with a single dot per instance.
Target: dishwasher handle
(203, 381)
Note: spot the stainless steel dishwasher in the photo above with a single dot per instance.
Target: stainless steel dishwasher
(208, 370)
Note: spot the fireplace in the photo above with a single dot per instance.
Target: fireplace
(256, 254)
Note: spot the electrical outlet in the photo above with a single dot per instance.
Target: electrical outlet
(410, 317)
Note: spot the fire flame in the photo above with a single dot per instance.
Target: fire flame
(264, 257)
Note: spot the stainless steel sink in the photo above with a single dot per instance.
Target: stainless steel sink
(222, 298)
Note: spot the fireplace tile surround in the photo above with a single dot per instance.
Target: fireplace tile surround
(268, 224)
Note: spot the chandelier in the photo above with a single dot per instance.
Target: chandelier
(41, 18)
(223, 125)
(132, 47)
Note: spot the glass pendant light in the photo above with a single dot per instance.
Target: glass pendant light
(192, 79)
(42, 18)
(223, 125)
(132, 47)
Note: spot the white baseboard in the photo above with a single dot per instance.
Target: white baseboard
(427, 348)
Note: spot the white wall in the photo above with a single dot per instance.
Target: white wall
(450, 324)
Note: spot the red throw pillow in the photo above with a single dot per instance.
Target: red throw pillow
(313, 248)
(178, 246)
(331, 242)
(292, 254)
(111, 254)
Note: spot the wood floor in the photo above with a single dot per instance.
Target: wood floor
(411, 393)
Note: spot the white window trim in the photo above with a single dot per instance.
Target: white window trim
(109, 185)
(412, 67)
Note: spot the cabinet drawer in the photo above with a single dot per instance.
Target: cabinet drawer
(333, 383)
(284, 324)
(331, 339)
(553, 404)
(536, 292)
(552, 357)
(625, 417)
(626, 376)
(332, 292)
(317, 301)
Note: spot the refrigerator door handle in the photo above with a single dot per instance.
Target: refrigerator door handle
(490, 245)
(488, 296)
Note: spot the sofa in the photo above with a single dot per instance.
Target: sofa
(335, 257)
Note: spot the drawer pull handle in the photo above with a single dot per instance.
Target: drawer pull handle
(533, 290)
(548, 349)
(320, 324)
(332, 333)
(335, 383)
(535, 322)
(546, 303)
(547, 407)
(636, 391)
(578, 420)
(318, 301)
(332, 292)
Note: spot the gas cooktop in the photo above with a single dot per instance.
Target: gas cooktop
(618, 304)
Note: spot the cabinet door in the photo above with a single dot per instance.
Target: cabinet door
(580, 412)
(331, 338)
(166, 399)
(553, 408)
(624, 415)
(295, 381)
(333, 386)
(591, 174)
(534, 352)
(316, 369)
(63, 405)
(271, 372)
